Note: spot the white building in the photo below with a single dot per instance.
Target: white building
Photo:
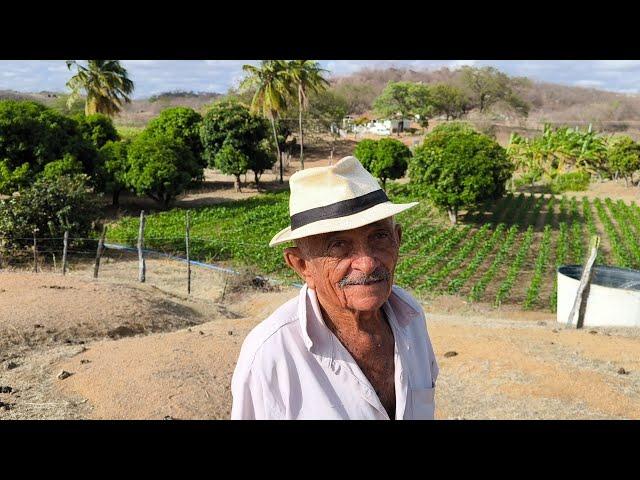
(378, 126)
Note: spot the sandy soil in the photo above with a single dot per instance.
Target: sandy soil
(509, 364)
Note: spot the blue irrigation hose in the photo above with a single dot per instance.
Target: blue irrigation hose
(116, 246)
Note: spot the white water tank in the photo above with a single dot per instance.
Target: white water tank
(614, 297)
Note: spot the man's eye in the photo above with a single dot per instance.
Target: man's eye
(382, 235)
(338, 244)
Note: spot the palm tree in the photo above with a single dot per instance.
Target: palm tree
(306, 75)
(105, 82)
(273, 89)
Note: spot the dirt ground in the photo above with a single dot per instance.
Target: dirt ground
(178, 364)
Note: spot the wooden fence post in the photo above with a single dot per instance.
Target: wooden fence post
(141, 263)
(96, 265)
(582, 296)
(35, 251)
(188, 259)
(65, 242)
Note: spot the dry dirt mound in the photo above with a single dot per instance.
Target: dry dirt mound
(43, 308)
(181, 375)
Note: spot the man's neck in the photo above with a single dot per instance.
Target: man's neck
(345, 320)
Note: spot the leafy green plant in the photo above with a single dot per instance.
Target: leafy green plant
(231, 160)
(459, 168)
(571, 182)
(50, 206)
(624, 157)
(181, 123)
(160, 167)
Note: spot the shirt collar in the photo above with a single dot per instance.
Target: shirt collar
(317, 336)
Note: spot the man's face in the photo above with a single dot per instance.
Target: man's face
(352, 269)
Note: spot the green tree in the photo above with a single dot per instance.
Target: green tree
(391, 160)
(405, 99)
(273, 90)
(160, 167)
(115, 164)
(458, 167)
(365, 152)
(106, 85)
(307, 77)
(182, 123)
(68, 165)
(449, 100)
(52, 206)
(326, 111)
(35, 135)
(488, 86)
(624, 157)
(230, 121)
(13, 179)
(97, 129)
(232, 161)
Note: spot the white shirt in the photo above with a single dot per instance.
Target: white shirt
(291, 366)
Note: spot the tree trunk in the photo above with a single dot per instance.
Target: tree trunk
(301, 132)
(236, 183)
(115, 200)
(256, 176)
(275, 137)
(453, 215)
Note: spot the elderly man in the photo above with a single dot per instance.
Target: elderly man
(351, 345)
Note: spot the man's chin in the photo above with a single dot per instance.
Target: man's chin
(369, 296)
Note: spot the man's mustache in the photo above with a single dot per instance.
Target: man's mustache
(379, 274)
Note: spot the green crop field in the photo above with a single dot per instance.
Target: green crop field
(505, 252)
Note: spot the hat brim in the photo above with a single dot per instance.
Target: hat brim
(371, 215)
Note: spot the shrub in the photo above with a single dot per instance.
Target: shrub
(33, 134)
(96, 128)
(160, 167)
(51, 205)
(69, 165)
(114, 167)
(570, 182)
(229, 121)
(365, 151)
(232, 161)
(12, 180)
(458, 167)
(180, 123)
(391, 160)
(624, 157)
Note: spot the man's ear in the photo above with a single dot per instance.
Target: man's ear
(294, 258)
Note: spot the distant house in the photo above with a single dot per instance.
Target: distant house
(380, 126)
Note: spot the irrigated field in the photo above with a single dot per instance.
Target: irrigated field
(506, 252)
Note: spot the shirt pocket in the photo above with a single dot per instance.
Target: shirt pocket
(422, 403)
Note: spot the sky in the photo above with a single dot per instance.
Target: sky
(156, 76)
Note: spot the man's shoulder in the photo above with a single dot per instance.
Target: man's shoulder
(263, 333)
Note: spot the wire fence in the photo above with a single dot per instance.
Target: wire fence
(209, 277)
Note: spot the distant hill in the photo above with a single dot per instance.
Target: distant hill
(550, 102)
(136, 113)
(608, 111)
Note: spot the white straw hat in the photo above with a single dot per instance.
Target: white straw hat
(335, 198)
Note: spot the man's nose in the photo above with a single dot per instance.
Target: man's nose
(364, 261)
